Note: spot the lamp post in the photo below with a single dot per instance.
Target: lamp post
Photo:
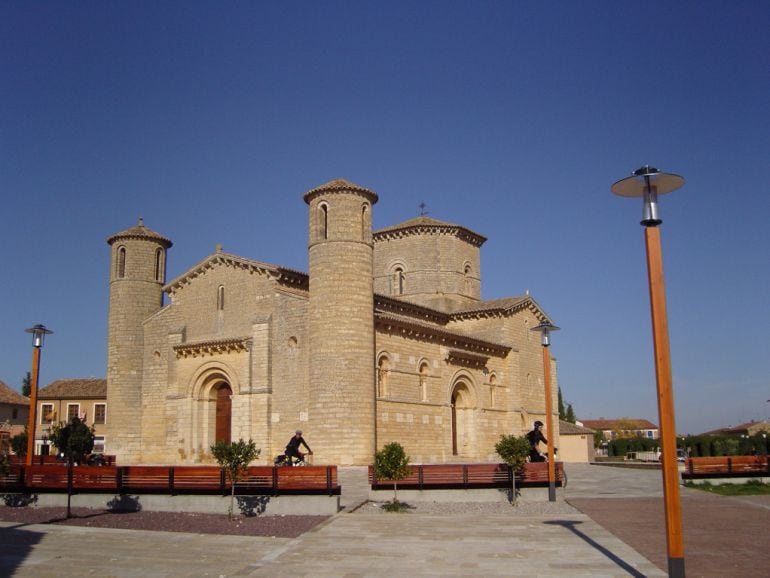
(545, 329)
(648, 182)
(38, 332)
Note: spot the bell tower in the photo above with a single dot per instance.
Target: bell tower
(137, 275)
(341, 323)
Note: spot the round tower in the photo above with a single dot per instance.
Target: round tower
(341, 323)
(137, 275)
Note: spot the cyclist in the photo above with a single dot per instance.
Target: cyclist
(535, 437)
(292, 448)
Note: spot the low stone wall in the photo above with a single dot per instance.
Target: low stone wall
(321, 505)
(730, 480)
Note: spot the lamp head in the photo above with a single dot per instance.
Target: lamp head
(545, 329)
(38, 332)
(648, 182)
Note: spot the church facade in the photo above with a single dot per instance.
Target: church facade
(386, 338)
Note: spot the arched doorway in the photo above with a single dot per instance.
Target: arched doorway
(223, 421)
(462, 420)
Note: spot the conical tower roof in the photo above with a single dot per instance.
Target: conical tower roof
(140, 232)
(339, 186)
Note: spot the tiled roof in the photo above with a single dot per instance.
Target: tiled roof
(339, 185)
(90, 388)
(567, 428)
(140, 232)
(625, 423)
(11, 396)
(736, 429)
(428, 224)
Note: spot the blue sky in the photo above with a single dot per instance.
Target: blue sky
(211, 119)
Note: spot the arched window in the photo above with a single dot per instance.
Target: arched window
(424, 368)
(323, 221)
(221, 298)
(467, 279)
(159, 265)
(383, 375)
(398, 281)
(121, 272)
(492, 385)
(364, 221)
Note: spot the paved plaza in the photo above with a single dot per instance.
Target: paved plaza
(624, 506)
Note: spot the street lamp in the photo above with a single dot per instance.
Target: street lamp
(545, 329)
(648, 182)
(38, 332)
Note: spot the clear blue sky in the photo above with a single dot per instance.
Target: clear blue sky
(210, 119)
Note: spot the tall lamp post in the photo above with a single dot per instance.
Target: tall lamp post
(38, 332)
(545, 329)
(648, 182)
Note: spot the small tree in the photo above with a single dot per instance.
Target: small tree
(234, 458)
(392, 463)
(19, 444)
(74, 440)
(514, 451)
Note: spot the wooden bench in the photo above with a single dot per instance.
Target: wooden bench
(171, 479)
(468, 476)
(725, 467)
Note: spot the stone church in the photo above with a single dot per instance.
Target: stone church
(386, 338)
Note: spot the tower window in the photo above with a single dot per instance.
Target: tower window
(121, 272)
(364, 221)
(221, 298)
(323, 221)
(159, 265)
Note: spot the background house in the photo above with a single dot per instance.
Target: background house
(745, 429)
(63, 399)
(14, 414)
(576, 443)
(624, 427)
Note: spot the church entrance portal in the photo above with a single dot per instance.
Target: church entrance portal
(462, 418)
(223, 419)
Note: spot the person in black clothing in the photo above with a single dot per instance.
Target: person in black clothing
(292, 448)
(535, 437)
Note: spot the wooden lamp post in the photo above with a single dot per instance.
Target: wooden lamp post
(545, 329)
(38, 332)
(647, 182)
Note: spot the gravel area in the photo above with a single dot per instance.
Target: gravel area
(521, 508)
(277, 526)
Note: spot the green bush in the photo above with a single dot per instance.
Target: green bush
(234, 458)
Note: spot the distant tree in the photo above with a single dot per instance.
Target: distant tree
(598, 439)
(570, 416)
(234, 458)
(26, 385)
(514, 451)
(562, 413)
(392, 463)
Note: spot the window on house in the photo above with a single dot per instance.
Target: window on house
(15, 413)
(100, 412)
(46, 413)
(73, 410)
(98, 445)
